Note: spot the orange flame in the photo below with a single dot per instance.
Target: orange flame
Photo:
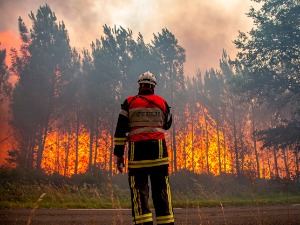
(199, 149)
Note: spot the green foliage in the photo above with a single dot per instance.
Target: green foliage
(42, 69)
(93, 177)
(208, 186)
(270, 53)
(61, 90)
(21, 189)
(282, 136)
(171, 57)
(269, 58)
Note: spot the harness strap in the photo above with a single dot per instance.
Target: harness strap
(144, 98)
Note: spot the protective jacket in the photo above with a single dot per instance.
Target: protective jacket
(142, 122)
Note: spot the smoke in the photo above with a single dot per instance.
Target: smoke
(203, 28)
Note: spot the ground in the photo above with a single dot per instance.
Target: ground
(247, 215)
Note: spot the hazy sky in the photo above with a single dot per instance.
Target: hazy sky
(202, 27)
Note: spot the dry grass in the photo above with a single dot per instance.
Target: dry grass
(188, 190)
(36, 205)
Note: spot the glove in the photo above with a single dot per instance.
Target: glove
(120, 164)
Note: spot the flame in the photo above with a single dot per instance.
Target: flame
(197, 145)
(199, 149)
(60, 152)
(7, 40)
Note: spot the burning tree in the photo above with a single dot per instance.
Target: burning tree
(42, 70)
(269, 58)
(65, 103)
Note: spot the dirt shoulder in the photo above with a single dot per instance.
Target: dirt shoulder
(247, 215)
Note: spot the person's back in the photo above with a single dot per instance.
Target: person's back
(145, 118)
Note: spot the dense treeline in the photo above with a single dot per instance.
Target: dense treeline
(240, 118)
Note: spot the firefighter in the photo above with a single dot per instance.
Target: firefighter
(142, 122)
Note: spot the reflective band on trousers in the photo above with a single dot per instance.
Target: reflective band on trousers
(165, 219)
(135, 196)
(146, 129)
(143, 218)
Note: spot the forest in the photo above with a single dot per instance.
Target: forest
(240, 118)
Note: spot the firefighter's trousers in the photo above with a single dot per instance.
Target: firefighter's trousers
(161, 195)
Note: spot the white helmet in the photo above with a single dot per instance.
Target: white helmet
(147, 78)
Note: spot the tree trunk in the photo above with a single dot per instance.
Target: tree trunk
(171, 153)
(275, 163)
(201, 149)
(28, 153)
(219, 149)
(76, 144)
(174, 146)
(58, 153)
(257, 158)
(174, 120)
(231, 160)
(285, 159)
(24, 159)
(207, 146)
(184, 148)
(237, 165)
(112, 134)
(193, 150)
(269, 164)
(242, 154)
(67, 148)
(224, 146)
(263, 166)
(39, 153)
(297, 164)
(106, 163)
(96, 141)
(111, 152)
(254, 145)
(91, 146)
(42, 136)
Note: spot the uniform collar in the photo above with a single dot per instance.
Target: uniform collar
(146, 91)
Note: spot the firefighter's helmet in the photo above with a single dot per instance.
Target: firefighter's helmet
(147, 78)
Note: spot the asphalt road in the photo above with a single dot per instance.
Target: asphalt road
(250, 215)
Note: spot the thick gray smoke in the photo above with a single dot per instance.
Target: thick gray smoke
(203, 28)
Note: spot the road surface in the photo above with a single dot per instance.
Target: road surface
(248, 215)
